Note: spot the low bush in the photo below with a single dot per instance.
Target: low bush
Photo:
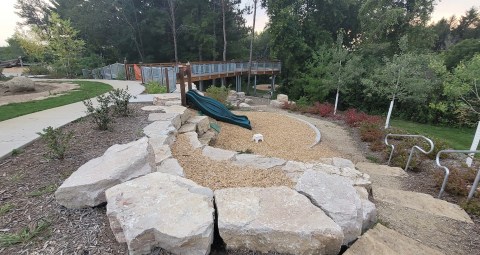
(354, 118)
(120, 99)
(218, 93)
(57, 141)
(36, 70)
(153, 87)
(101, 114)
(458, 180)
(322, 109)
(402, 152)
(371, 132)
(472, 207)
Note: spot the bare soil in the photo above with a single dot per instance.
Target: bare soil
(42, 90)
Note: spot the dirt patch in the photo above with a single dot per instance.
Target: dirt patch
(222, 174)
(42, 90)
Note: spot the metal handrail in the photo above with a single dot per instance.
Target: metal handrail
(413, 148)
(447, 172)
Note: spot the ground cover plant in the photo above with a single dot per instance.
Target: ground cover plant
(153, 87)
(87, 89)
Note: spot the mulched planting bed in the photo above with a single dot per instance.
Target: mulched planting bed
(28, 182)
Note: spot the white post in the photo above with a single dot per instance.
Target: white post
(387, 123)
(336, 102)
(476, 140)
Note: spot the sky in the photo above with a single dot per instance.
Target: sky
(445, 8)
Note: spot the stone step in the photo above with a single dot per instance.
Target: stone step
(376, 169)
(381, 240)
(202, 123)
(421, 202)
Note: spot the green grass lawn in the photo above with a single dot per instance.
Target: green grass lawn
(457, 138)
(87, 89)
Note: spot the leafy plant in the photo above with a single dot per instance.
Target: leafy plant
(472, 207)
(4, 209)
(16, 152)
(458, 180)
(322, 109)
(218, 93)
(100, 114)
(57, 141)
(36, 70)
(154, 87)
(25, 234)
(120, 99)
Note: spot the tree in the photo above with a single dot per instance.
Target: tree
(58, 46)
(462, 51)
(251, 45)
(464, 83)
(404, 77)
(33, 12)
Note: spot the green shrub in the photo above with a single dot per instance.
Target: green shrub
(154, 87)
(121, 75)
(101, 114)
(472, 207)
(458, 180)
(36, 70)
(120, 99)
(57, 141)
(218, 93)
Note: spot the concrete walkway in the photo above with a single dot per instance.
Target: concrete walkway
(21, 131)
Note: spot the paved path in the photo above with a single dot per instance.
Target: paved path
(21, 131)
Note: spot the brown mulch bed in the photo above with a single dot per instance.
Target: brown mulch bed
(28, 181)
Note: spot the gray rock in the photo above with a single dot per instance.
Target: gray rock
(174, 118)
(336, 196)
(257, 161)
(162, 153)
(218, 154)
(188, 127)
(192, 137)
(20, 84)
(166, 99)
(244, 105)
(86, 186)
(372, 168)
(171, 166)
(162, 210)
(202, 122)
(276, 104)
(153, 108)
(282, 98)
(356, 177)
(208, 138)
(294, 169)
(160, 128)
(275, 219)
(161, 140)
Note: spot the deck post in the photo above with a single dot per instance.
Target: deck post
(189, 76)
(255, 86)
(181, 74)
(167, 82)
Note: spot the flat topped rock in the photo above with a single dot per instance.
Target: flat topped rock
(188, 127)
(337, 197)
(171, 166)
(257, 161)
(202, 122)
(422, 202)
(358, 178)
(160, 128)
(165, 99)
(174, 118)
(372, 168)
(86, 186)
(381, 240)
(162, 210)
(153, 108)
(192, 138)
(276, 219)
(218, 154)
(295, 169)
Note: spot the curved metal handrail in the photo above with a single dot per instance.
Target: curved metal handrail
(432, 146)
(447, 172)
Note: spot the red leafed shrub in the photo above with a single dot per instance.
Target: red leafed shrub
(371, 132)
(354, 118)
(322, 109)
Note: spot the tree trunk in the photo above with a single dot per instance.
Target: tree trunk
(171, 4)
(224, 37)
(251, 46)
(336, 101)
(387, 122)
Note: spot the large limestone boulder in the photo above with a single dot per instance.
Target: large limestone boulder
(166, 99)
(20, 84)
(192, 138)
(282, 98)
(276, 104)
(160, 128)
(256, 161)
(276, 219)
(202, 123)
(86, 186)
(217, 153)
(337, 197)
(162, 210)
(174, 118)
(358, 178)
(294, 169)
(369, 210)
(375, 169)
(381, 240)
(171, 166)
